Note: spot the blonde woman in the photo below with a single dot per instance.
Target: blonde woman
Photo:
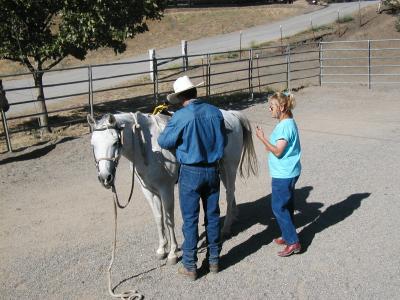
(284, 155)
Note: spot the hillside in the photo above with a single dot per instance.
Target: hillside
(186, 24)
(374, 26)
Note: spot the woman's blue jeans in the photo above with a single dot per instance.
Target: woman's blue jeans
(195, 183)
(283, 207)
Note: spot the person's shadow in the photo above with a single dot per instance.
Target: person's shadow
(332, 215)
(308, 215)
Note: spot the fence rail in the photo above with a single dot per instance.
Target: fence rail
(362, 62)
(88, 88)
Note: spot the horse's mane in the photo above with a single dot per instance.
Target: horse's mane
(142, 118)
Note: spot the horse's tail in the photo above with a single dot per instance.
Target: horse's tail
(248, 160)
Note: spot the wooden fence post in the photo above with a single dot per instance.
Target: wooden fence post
(240, 45)
(185, 61)
(4, 106)
(155, 82)
(90, 92)
(6, 132)
(152, 54)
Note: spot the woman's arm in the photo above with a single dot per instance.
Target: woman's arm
(278, 149)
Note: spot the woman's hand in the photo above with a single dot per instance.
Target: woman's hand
(277, 149)
(260, 133)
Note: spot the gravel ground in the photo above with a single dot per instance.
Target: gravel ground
(56, 221)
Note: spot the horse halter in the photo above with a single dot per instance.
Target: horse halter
(114, 159)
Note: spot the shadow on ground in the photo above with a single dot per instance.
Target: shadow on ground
(331, 216)
(28, 153)
(308, 216)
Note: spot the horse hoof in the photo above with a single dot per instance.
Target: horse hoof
(161, 256)
(172, 261)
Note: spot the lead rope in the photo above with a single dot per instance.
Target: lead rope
(131, 294)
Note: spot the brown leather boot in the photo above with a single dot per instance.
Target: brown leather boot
(214, 268)
(192, 275)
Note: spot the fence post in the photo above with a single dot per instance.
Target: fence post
(288, 67)
(207, 67)
(208, 75)
(369, 64)
(152, 54)
(7, 134)
(251, 74)
(90, 92)
(155, 79)
(258, 74)
(321, 63)
(4, 106)
(240, 45)
(185, 61)
(312, 28)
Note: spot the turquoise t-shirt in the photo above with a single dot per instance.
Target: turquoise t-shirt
(288, 165)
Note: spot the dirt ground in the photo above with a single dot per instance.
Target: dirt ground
(56, 221)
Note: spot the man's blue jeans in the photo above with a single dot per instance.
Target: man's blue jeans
(195, 183)
(283, 207)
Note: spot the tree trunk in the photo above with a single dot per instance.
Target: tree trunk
(43, 118)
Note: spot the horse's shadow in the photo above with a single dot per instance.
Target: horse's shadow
(308, 215)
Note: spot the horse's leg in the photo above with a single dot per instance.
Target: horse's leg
(228, 176)
(167, 196)
(156, 207)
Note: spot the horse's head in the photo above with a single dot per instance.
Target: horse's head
(106, 142)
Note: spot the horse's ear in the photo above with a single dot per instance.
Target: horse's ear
(111, 119)
(91, 120)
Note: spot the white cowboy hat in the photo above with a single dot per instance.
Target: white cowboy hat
(180, 85)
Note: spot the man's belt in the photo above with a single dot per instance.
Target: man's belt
(203, 164)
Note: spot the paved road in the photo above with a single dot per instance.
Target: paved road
(217, 43)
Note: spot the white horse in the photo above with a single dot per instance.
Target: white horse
(134, 135)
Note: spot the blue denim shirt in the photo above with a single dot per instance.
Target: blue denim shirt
(197, 132)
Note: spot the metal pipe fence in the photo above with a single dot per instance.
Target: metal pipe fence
(73, 92)
(364, 62)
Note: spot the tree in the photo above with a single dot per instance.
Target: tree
(394, 7)
(41, 33)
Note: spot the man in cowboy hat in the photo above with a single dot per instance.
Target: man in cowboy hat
(197, 133)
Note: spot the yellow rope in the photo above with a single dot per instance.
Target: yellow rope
(160, 108)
